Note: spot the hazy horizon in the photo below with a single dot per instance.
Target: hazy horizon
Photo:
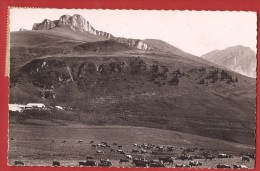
(195, 32)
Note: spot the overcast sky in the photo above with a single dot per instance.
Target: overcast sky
(195, 32)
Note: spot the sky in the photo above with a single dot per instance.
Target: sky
(195, 32)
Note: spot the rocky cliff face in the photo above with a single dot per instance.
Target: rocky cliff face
(238, 58)
(79, 24)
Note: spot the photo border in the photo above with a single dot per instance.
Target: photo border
(199, 5)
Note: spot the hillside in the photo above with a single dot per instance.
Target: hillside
(101, 79)
(238, 58)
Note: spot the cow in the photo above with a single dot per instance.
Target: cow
(123, 161)
(240, 166)
(119, 146)
(88, 163)
(210, 157)
(156, 152)
(55, 163)
(80, 141)
(195, 163)
(245, 158)
(114, 143)
(166, 159)
(91, 142)
(128, 156)
(52, 141)
(105, 164)
(12, 138)
(104, 160)
(182, 165)
(135, 145)
(99, 151)
(141, 163)
(185, 157)
(89, 158)
(223, 166)
(250, 155)
(120, 151)
(222, 155)
(18, 163)
(198, 157)
(112, 150)
(135, 151)
(143, 151)
(94, 145)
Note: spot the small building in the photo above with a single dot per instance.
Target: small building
(35, 105)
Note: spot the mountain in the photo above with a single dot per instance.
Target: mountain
(238, 58)
(104, 80)
(79, 24)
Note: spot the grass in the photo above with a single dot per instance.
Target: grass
(33, 144)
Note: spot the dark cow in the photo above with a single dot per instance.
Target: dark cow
(123, 161)
(12, 138)
(91, 142)
(223, 166)
(88, 163)
(114, 143)
(120, 146)
(52, 141)
(141, 163)
(94, 145)
(80, 141)
(112, 150)
(209, 157)
(55, 163)
(156, 152)
(195, 163)
(166, 159)
(245, 158)
(18, 163)
(240, 166)
(250, 155)
(198, 157)
(182, 165)
(185, 157)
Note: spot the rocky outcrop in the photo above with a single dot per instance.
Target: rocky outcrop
(238, 58)
(79, 24)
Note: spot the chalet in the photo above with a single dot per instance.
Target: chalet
(36, 105)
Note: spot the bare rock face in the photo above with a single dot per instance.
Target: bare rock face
(238, 58)
(79, 24)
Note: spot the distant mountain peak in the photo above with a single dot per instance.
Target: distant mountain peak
(79, 24)
(238, 58)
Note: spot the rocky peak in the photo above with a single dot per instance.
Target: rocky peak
(79, 24)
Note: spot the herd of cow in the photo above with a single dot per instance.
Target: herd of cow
(161, 160)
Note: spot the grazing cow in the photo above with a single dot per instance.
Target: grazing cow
(55, 163)
(93, 145)
(120, 151)
(245, 158)
(135, 151)
(18, 163)
(99, 151)
(223, 166)
(195, 163)
(166, 159)
(112, 150)
(198, 157)
(88, 163)
(105, 164)
(104, 160)
(114, 143)
(156, 164)
(143, 151)
(80, 141)
(210, 157)
(135, 145)
(120, 146)
(12, 138)
(156, 152)
(250, 155)
(182, 165)
(240, 166)
(91, 142)
(89, 158)
(141, 163)
(123, 161)
(185, 157)
(222, 155)
(128, 156)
